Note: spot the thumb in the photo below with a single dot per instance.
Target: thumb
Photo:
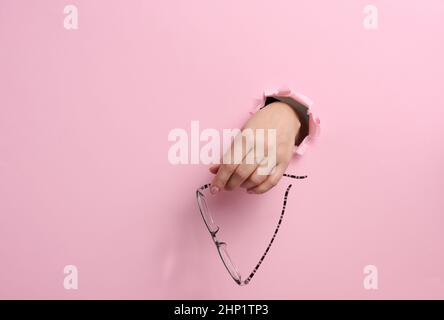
(214, 168)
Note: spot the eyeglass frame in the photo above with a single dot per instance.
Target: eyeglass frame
(220, 244)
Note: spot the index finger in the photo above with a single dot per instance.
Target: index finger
(231, 160)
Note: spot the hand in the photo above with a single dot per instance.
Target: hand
(284, 120)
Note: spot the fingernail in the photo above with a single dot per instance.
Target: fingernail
(214, 189)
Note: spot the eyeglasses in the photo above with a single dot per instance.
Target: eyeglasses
(222, 246)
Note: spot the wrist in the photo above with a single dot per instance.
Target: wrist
(287, 112)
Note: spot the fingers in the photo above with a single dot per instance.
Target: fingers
(270, 181)
(214, 168)
(223, 175)
(237, 168)
(250, 177)
(242, 172)
(241, 146)
(255, 178)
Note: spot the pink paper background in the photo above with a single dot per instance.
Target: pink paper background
(84, 174)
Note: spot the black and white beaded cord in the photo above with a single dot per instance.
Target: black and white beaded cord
(284, 205)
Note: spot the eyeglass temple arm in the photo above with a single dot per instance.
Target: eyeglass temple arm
(206, 186)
